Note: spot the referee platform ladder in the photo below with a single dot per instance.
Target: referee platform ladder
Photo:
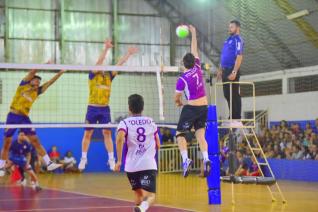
(247, 130)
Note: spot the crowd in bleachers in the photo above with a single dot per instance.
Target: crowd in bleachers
(290, 140)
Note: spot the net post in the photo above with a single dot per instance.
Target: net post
(211, 135)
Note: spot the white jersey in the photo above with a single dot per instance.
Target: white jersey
(140, 146)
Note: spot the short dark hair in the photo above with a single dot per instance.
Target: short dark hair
(188, 60)
(37, 77)
(136, 103)
(236, 22)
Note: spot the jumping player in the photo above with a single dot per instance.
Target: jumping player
(26, 94)
(20, 155)
(138, 135)
(98, 110)
(194, 113)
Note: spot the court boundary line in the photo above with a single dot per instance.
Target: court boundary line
(75, 208)
(125, 200)
(44, 198)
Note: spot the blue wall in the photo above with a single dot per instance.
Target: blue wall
(71, 139)
(300, 170)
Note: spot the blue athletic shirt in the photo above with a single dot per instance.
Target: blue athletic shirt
(18, 149)
(232, 47)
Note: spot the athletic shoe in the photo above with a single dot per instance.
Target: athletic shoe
(207, 168)
(82, 164)
(111, 164)
(52, 166)
(138, 209)
(2, 172)
(186, 167)
(35, 186)
(22, 183)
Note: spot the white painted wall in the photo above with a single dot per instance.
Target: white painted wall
(297, 106)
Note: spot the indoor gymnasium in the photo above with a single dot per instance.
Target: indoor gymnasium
(159, 105)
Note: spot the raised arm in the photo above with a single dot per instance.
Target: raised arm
(194, 42)
(32, 73)
(123, 59)
(47, 84)
(107, 45)
(120, 139)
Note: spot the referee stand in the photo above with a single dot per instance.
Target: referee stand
(248, 130)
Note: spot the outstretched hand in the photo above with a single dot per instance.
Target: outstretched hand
(192, 29)
(108, 43)
(133, 50)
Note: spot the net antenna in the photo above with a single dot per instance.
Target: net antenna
(159, 74)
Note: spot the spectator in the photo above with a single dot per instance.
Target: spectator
(54, 155)
(306, 140)
(167, 137)
(69, 163)
(316, 126)
(253, 169)
(297, 152)
(308, 129)
(314, 139)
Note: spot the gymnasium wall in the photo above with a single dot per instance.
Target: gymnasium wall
(285, 106)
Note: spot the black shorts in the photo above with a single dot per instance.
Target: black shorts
(145, 180)
(192, 116)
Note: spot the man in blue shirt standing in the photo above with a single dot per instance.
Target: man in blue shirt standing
(229, 71)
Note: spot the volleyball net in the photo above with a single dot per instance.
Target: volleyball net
(64, 104)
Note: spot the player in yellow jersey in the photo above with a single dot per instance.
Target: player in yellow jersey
(98, 110)
(26, 94)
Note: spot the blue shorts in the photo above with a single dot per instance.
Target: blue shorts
(18, 160)
(13, 118)
(97, 115)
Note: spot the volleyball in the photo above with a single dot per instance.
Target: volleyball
(182, 31)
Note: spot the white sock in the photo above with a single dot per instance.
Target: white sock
(84, 154)
(184, 155)
(205, 155)
(144, 205)
(2, 163)
(46, 159)
(110, 155)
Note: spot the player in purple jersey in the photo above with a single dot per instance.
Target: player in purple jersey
(194, 113)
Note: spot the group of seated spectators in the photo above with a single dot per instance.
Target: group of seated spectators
(68, 161)
(280, 141)
(290, 142)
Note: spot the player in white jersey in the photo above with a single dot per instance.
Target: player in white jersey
(137, 144)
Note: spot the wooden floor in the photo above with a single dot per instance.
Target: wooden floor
(190, 193)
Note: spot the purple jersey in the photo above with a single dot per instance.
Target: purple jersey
(191, 82)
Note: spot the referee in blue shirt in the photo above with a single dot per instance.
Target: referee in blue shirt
(229, 71)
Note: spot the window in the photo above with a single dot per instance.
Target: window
(263, 88)
(303, 84)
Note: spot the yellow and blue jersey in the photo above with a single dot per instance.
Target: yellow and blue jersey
(99, 88)
(24, 98)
